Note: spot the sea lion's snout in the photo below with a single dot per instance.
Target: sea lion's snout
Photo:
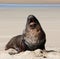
(32, 21)
(31, 17)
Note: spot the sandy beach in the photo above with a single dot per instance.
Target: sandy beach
(13, 21)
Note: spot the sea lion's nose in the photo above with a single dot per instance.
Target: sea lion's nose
(30, 16)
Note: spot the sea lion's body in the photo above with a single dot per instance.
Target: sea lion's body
(32, 38)
(16, 43)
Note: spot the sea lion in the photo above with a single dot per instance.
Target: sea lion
(34, 35)
(32, 38)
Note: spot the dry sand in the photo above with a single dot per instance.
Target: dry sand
(12, 23)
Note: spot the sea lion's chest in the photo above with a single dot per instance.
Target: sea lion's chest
(32, 37)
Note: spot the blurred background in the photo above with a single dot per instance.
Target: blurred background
(30, 1)
(13, 20)
(13, 17)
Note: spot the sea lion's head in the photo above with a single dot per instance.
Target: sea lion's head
(32, 22)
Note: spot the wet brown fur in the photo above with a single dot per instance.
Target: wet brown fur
(32, 38)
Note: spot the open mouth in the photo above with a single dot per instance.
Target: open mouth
(32, 25)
